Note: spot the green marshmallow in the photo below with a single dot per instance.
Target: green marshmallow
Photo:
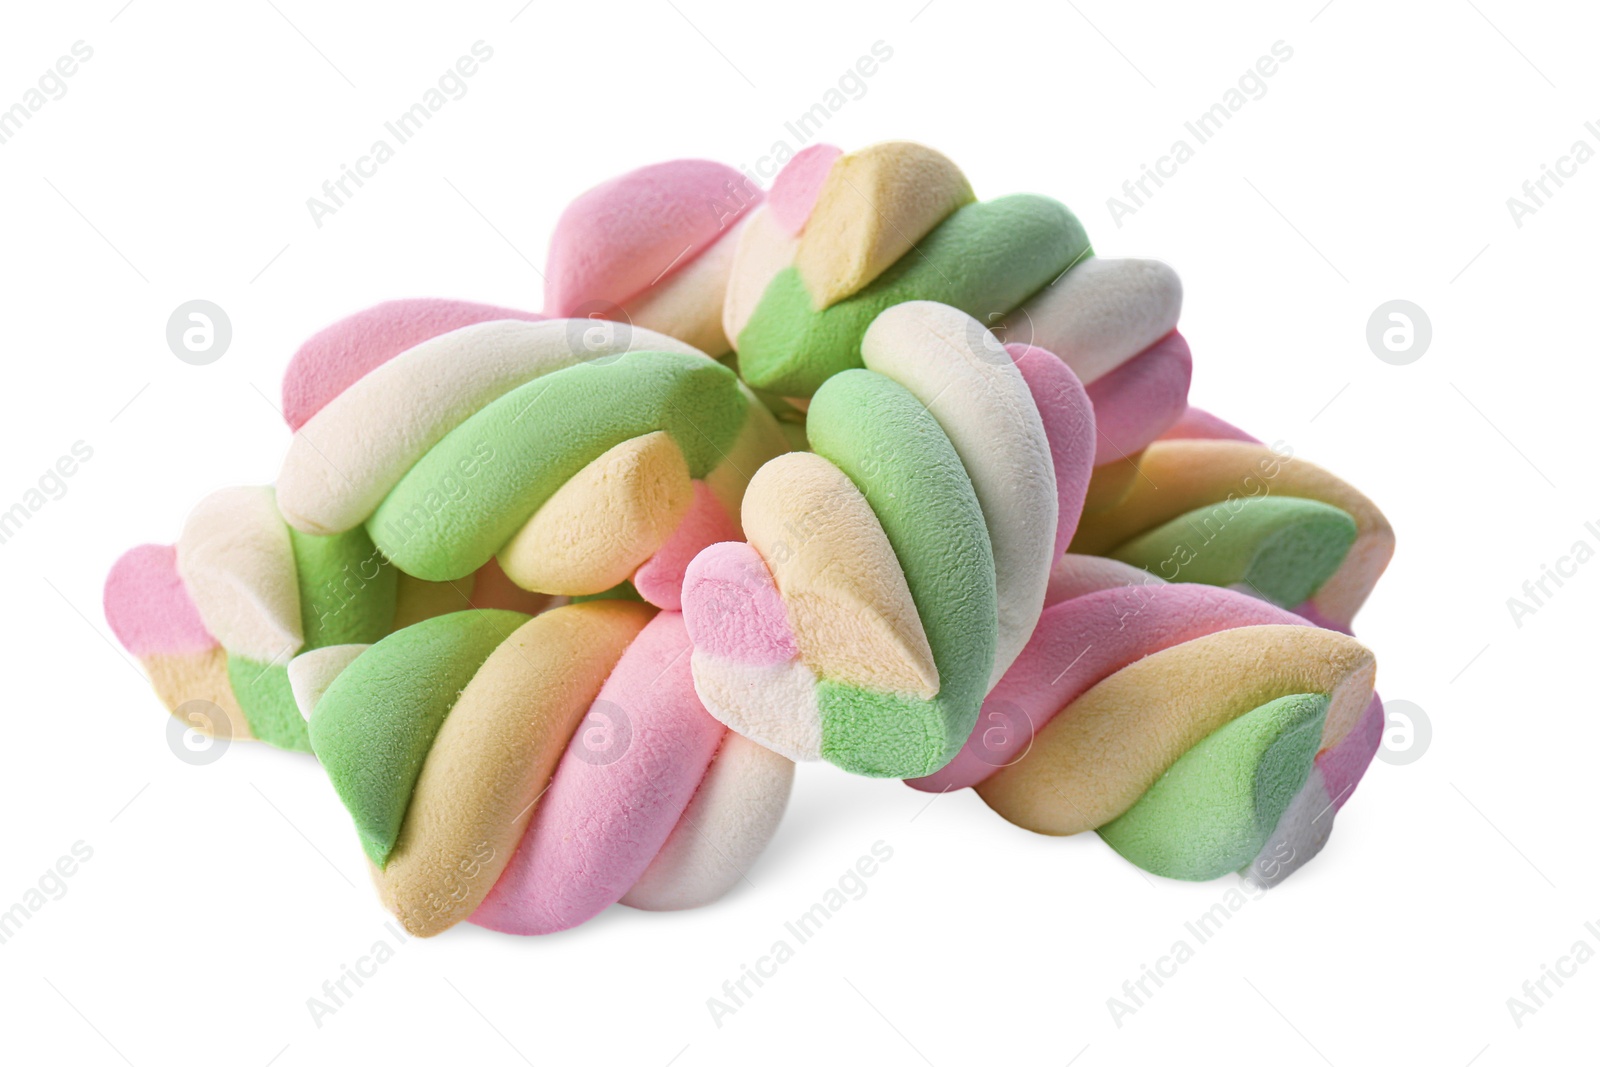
(374, 726)
(1281, 548)
(894, 451)
(887, 735)
(1216, 807)
(470, 494)
(347, 588)
(263, 693)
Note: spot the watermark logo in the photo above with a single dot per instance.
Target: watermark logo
(604, 736)
(988, 335)
(1407, 733)
(199, 732)
(599, 332)
(1399, 332)
(199, 332)
(1005, 733)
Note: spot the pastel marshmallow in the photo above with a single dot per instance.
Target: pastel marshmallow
(1099, 314)
(342, 354)
(794, 191)
(961, 374)
(615, 798)
(734, 813)
(873, 207)
(352, 453)
(237, 562)
(148, 607)
(621, 237)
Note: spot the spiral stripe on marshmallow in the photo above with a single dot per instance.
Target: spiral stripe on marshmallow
(1191, 726)
(570, 449)
(525, 774)
(652, 248)
(890, 576)
(863, 469)
(341, 354)
(464, 500)
(351, 454)
(226, 615)
(843, 236)
(1239, 513)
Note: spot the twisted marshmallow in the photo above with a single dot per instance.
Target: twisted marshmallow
(526, 773)
(815, 283)
(1199, 730)
(893, 574)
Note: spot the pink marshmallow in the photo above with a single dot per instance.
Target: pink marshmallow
(1309, 611)
(795, 189)
(1344, 765)
(1069, 423)
(623, 236)
(1195, 424)
(732, 607)
(149, 608)
(1139, 400)
(659, 579)
(340, 355)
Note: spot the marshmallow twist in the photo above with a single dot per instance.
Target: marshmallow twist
(1007, 554)
(893, 574)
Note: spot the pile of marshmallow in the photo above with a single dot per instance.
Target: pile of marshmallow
(861, 469)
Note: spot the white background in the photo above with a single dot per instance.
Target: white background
(1377, 166)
